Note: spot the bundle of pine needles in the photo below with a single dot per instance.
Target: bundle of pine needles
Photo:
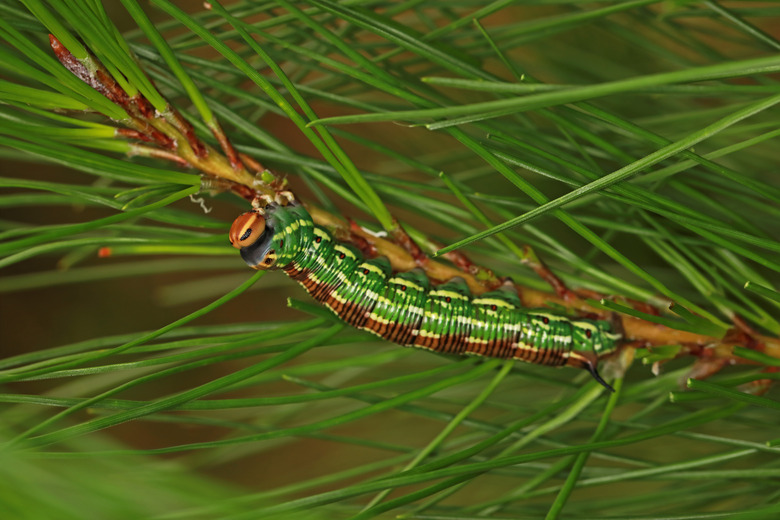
(632, 145)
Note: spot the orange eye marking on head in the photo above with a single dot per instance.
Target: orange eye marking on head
(247, 229)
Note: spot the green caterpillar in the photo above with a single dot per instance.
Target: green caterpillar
(405, 307)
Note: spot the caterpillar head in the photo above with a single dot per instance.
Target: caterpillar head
(253, 235)
(594, 336)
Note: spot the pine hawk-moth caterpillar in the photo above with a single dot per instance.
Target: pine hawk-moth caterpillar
(406, 308)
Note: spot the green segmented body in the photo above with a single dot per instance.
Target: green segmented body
(405, 307)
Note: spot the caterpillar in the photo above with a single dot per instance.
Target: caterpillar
(406, 308)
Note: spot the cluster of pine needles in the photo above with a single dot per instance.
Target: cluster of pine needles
(632, 145)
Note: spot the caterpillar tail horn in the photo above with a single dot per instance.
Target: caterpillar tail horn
(581, 360)
(597, 377)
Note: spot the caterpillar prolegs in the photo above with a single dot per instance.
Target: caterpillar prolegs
(406, 308)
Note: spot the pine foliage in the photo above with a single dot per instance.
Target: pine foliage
(147, 373)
